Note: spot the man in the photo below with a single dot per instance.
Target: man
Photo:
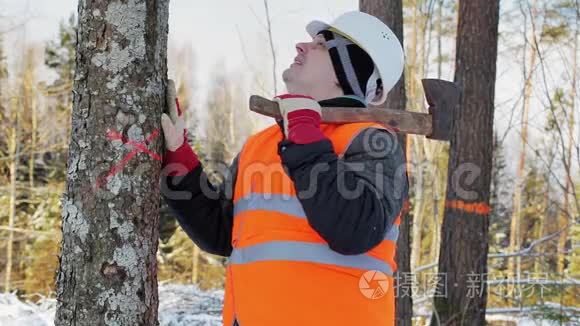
(308, 207)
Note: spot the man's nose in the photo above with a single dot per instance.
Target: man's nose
(301, 48)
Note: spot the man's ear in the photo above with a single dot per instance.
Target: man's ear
(378, 95)
(379, 91)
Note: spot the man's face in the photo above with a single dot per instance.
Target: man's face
(312, 67)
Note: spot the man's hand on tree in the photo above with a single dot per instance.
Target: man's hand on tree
(173, 124)
(179, 154)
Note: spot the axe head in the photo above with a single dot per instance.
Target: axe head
(443, 99)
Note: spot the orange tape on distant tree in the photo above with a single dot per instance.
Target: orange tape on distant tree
(475, 208)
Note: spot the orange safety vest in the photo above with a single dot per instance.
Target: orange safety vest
(281, 272)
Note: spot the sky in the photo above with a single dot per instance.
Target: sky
(231, 35)
(224, 34)
(232, 31)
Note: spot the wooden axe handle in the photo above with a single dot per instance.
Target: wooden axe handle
(399, 121)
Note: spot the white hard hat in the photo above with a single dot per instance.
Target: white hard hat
(377, 40)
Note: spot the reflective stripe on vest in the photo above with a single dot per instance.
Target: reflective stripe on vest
(305, 252)
(289, 205)
(286, 204)
(393, 233)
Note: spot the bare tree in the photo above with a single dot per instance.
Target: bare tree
(107, 272)
(220, 125)
(568, 154)
(515, 229)
(274, 79)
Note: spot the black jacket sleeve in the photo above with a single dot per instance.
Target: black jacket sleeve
(351, 201)
(204, 212)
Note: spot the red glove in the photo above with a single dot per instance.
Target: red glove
(301, 115)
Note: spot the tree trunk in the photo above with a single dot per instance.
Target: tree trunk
(108, 268)
(29, 105)
(419, 184)
(391, 13)
(464, 234)
(33, 141)
(539, 261)
(15, 153)
(439, 37)
(417, 50)
(195, 265)
(436, 164)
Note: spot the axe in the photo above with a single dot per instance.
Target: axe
(442, 97)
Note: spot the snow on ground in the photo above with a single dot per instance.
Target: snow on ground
(14, 312)
(526, 316)
(187, 305)
(524, 320)
(178, 305)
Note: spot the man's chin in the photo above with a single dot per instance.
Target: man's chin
(287, 75)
